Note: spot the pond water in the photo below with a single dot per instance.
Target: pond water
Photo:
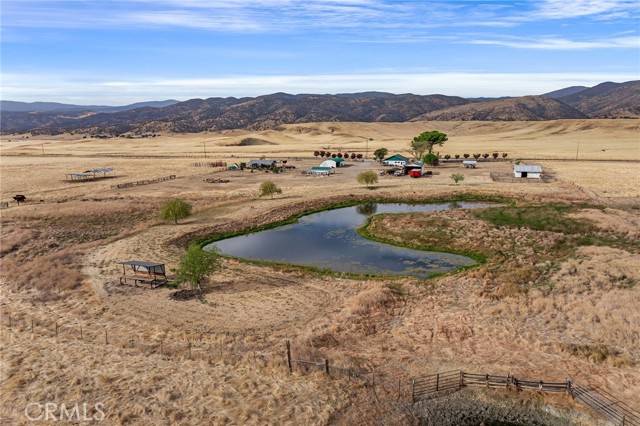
(329, 240)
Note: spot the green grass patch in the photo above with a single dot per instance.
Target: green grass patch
(547, 217)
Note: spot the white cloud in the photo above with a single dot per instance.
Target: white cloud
(29, 88)
(561, 9)
(550, 43)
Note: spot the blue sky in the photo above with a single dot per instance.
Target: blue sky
(115, 52)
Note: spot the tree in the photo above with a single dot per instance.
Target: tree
(425, 142)
(504, 155)
(322, 153)
(368, 178)
(269, 188)
(431, 159)
(457, 156)
(175, 209)
(339, 155)
(359, 156)
(197, 264)
(476, 156)
(380, 153)
(485, 155)
(465, 155)
(353, 155)
(457, 177)
(316, 153)
(495, 155)
(447, 157)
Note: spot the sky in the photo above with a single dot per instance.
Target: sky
(116, 52)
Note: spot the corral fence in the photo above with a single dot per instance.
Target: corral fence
(142, 182)
(210, 164)
(598, 400)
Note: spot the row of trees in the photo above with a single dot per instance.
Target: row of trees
(344, 155)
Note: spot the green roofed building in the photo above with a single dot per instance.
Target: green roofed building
(338, 161)
(320, 171)
(395, 160)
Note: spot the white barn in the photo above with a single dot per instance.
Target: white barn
(527, 171)
(328, 163)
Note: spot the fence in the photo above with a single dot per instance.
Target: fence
(142, 182)
(210, 164)
(598, 400)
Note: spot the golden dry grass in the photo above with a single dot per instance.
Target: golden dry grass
(59, 264)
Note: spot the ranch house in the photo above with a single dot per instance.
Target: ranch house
(395, 160)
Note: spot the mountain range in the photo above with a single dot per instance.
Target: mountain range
(606, 100)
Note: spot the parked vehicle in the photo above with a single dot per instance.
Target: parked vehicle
(398, 173)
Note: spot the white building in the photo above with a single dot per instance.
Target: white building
(395, 160)
(527, 171)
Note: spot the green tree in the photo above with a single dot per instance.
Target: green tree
(269, 188)
(380, 153)
(425, 142)
(457, 177)
(175, 209)
(196, 264)
(431, 159)
(368, 178)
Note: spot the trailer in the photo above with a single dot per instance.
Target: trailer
(469, 164)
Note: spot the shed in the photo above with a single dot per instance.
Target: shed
(470, 163)
(395, 160)
(338, 161)
(152, 273)
(255, 164)
(416, 165)
(329, 163)
(321, 171)
(527, 171)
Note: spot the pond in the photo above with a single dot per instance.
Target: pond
(329, 240)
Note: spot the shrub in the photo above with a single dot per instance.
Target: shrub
(269, 188)
(457, 177)
(368, 178)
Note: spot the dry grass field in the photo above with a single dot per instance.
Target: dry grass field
(548, 304)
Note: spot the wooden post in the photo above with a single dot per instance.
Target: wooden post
(189, 349)
(398, 389)
(461, 379)
(326, 366)
(9, 320)
(413, 391)
(31, 325)
(161, 351)
(289, 356)
(132, 343)
(81, 333)
(437, 382)
(56, 328)
(106, 337)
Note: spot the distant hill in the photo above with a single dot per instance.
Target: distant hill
(564, 92)
(258, 113)
(13, 106)
(525, 108)
(607, 100)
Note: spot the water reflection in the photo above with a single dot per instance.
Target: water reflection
(329, 240)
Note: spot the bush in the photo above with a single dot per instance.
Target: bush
(196, 264)
(457, 177)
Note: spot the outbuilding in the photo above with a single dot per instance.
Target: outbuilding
(470, 164)
(261, 164)
(416, 165)
(329, 163)
(321, 171)
(527, 171)
(395, 160)
(338, 161)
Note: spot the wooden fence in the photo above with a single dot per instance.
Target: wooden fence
(210, 164)
(598, 400)
(142, 182)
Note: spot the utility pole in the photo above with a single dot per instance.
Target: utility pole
(42, 149)
(577, 150)
(205, 149)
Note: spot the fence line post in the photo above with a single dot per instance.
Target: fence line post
(56, 328)
(189, 349)
(437, 382)
(161, 350)
(461, 379)
(326, 366)
(132, 342)
(81, 333)
(413, 391)
(289, 356)
(9, 320)
(398, 389)
(31, 325)
(106, 337)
